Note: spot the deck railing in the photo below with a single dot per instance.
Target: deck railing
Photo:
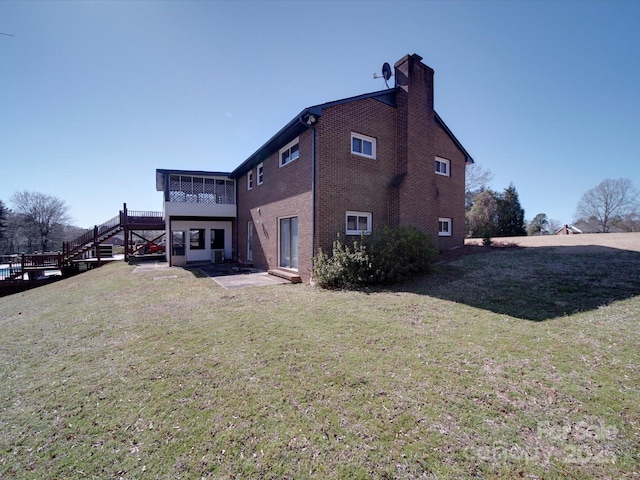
(9, 264)
(90, 235)
(141, 217)
(126, 218)
(12, 266)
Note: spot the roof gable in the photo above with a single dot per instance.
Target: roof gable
(299, 124)
(304, 120)
(441, 123)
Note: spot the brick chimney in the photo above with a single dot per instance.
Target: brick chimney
(417, 192)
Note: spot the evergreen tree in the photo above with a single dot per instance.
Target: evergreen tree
(510, 214)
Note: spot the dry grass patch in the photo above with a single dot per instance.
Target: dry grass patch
(116, 375)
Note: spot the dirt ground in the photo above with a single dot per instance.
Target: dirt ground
(622, 241)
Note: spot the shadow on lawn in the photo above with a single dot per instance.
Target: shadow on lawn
(535, 283)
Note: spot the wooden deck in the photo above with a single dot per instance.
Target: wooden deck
(79, 250)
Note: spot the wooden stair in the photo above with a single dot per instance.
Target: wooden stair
(286, 274)
(124, 221)
(74, 251)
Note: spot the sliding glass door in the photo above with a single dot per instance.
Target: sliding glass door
(289, 242)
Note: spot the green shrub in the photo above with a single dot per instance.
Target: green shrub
(385, 257)
(347, 267)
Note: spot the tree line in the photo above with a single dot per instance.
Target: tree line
(37, 223)
(614, 204)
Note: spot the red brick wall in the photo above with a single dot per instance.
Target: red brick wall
(399, 186)
(425, 196)
(286, 192)
(418, 191)
(349, 182)
(450, 190)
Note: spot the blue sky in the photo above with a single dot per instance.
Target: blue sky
(94, 96)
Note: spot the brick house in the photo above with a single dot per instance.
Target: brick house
(348, 166)
(352, 166)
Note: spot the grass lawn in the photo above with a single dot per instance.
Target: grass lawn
(515, 363)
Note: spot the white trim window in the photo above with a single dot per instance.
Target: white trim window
(358, 223)
(363, 145)
(250, 180)
(289, 153)
(443, 166)
(444, 227)
(260, 170)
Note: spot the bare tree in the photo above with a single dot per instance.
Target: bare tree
(611, 199)
(554, 225)
(42, 214)
(631, 222)
(476, 180)
(3, 218)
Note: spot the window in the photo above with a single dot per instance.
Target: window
(442, 166)
(217, 239)
(358, 222)
(363, 145)
(260, 171)
(250, 180)
(289, 153)
(444, 227)
(196, 239)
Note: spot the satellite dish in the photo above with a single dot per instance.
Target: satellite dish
(386, 71)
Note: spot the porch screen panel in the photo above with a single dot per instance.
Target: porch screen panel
(209, 193)
(230, 191)
(175, 191)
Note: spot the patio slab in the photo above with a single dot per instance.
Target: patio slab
(244, 280)
(230, 276)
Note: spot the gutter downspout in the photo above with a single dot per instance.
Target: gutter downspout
(310, 122)
(236, 254)
(313, 195)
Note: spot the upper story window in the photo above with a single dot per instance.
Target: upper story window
(260, 171)
(443, 166)
(444, 227)
(250, 180)
(358, 223)
(290, 153)
(363, 145)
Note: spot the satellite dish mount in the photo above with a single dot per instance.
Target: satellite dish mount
(386, 73)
